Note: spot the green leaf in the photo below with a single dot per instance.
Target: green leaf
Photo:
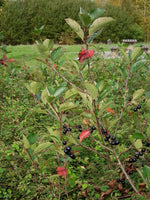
(87, 100)
(26, 142)
(59, 91)
(43, 49)
(70, 93)
(123, 71)
(138, 144)
(101, 86)
(137, 65)
(99, 23)
(48, 44)
(54, 135)
(42, 147)
(33, 87)
(71, 140)
(148, 104)
(92, 90)
(148, 132)
(103, 106)
(124, 54)
(75, 27)
(136, 53)
(56, 54)
(45, 94)
(32, 138)
(93, 36)
(104, 188)
(97, 12)
(137, 94)
(146, 171)
(84, 185)
(84, 17)
(138, 136)
(67, 106)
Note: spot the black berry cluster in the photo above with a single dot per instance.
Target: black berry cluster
(137, 108)
(79, 128)
(67, 150)
(65, 129)
(93, 128)
(137, 155)
(108, 137)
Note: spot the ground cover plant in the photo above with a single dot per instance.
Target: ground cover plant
(76, 129)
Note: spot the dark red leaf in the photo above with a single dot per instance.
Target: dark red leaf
(84, 134)
(85, 54)
(62, 171)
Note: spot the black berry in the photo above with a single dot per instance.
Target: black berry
(134, 160)
(64, 126)
(80, 129)
(106, 140)
(93, 128)
(69, 129)
(135, 109)
(118, 180)
(139, 107)
(107, 136)
(117, 142)
(113, 137)
(67, 150)
(143, 150)
(78, 136)
(140, 153)
(131, 172)
(104, 131)
(130, 160)
(64, 142)
(137, 155)
(65, 131)
(72, 156)
(122, 181)
(113, 142)
(147, 144)
(79, 126)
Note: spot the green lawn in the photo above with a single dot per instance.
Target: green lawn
(25, 54)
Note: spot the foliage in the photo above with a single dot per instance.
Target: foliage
(70, 129)
(122, 27)
(28, 16)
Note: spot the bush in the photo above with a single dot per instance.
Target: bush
(20, 18)
(122, 28)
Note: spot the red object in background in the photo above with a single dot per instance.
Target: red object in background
(85, 54)
(4, 60)
(84, 134)
(62, 171)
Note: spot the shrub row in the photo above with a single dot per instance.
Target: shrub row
(19, 19)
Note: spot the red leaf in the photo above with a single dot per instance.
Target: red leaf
(55, 66)
(11, 60)
(110, 110)
(62, 171)
(85, 54)
(84, 134)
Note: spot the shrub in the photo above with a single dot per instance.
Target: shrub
(20, 18)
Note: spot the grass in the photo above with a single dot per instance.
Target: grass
(25, 54)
